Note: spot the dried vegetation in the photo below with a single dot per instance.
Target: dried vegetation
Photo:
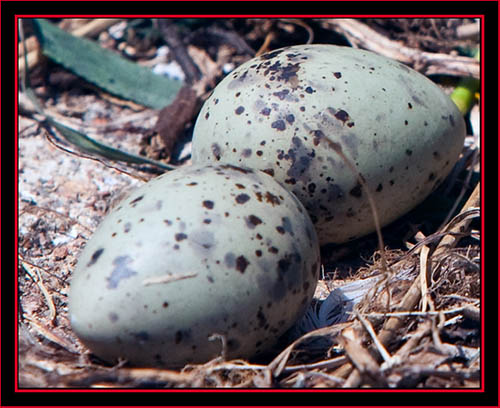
(416, 323)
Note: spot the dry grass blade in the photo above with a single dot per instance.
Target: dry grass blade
(277, 366)
(156, 280)
(423, 330)
(469, 309)
(389, 361)
(304, 25)
(338, 149)
(50, 335)
(37, 278)
(126, 378)
(361, 358)
(330, 363)
(265, 45)
(460, 226)
(417, 290)
(425, 273)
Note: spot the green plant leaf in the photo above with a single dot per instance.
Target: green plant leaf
(91, 146)
(104, 68)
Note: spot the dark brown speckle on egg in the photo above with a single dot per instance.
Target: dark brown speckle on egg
(136, 200)
(216, 151)
(236, 168)
(208, 204)
(95, 256)
(272, 199)
(278, 125)
(282, 94)
(180, 236)
(246, 153)
(342, 115)
(241, 264)
(265, 111)
(242, 198)
(252, 221)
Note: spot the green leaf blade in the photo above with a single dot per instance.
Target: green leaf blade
(106, 69)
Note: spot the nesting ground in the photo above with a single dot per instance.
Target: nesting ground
(418, 327)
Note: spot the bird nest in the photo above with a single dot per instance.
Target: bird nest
(404, 314)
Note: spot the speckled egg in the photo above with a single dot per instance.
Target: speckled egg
(200, 262)
(277, 111)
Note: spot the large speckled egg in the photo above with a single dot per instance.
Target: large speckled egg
(201, 261)
(276, 111)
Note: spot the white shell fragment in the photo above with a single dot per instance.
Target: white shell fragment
(273, 113)
(199, 261)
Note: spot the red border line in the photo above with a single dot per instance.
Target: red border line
(332, 390)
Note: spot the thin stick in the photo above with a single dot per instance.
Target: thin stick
(380, 347)
(330, 363)
(360, 35)
(302, 24)
(48, 334)
(265, 45)
(463, 308)
(48, 297)
(425, 268)
(450, 240)
(166, 279)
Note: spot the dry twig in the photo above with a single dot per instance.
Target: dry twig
(362, 36)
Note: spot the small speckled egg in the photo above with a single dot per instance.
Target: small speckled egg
(199, 261)
(274, 113)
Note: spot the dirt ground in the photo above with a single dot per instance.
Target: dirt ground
(403, 335)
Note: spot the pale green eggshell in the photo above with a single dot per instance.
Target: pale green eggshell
(397, 127)
(196, 252)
